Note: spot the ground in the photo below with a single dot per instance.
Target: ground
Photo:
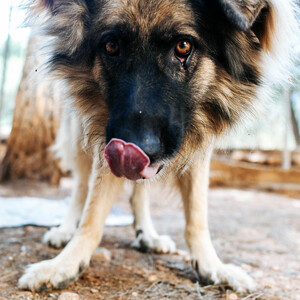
(258, 231)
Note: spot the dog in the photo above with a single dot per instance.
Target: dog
(151, 85)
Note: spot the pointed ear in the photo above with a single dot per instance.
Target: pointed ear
(37, 6)
(242, 14)
(66, 20)
(50, 4)
(255, 15)
(44, 3)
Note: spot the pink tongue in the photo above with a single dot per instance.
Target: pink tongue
(128, 160)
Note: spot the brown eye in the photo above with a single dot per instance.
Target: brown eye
(183, 49)
(112, 48)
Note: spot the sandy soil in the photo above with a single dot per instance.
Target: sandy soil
(256, 230)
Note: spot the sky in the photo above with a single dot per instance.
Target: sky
(17, 33)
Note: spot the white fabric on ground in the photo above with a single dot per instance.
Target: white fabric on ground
(44, 212)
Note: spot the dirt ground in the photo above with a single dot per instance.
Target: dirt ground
(256, 230)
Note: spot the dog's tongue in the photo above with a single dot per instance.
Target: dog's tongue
(128, 160)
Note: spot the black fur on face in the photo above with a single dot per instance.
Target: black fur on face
(146, 90)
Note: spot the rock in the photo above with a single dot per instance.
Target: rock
(102, 254)
(233, 297)
(94, 291)
(239, 155)
(68, 296)
(152, 278)
(257, 157)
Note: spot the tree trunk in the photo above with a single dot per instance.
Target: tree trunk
(35, 123)
(295, 125)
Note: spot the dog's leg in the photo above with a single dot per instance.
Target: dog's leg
(75, 257)
(147, 239)
(193, 185)
(61, 235)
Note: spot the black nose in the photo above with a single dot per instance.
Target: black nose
(150, 144)
(142, 137)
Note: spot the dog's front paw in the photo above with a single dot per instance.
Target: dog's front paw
(228, 274)
(50, 274)
(58, 237)
(158, 243)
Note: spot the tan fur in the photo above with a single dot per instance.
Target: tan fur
(143, 15)
(266, 33)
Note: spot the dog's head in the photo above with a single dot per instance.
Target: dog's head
(158, 77)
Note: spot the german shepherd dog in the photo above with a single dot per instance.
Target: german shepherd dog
(151, 84)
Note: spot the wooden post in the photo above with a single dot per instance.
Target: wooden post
(286, 154)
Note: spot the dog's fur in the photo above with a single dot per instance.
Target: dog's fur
(180, 103)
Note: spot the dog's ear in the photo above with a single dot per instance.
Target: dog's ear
(50, 4)
(255, 15)
(47, 3)
(66, 20)
(242, 14)
(41, 5)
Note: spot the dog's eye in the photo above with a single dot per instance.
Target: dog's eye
(112, 48)
(183, 50)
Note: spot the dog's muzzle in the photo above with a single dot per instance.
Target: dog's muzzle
(129, 160)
